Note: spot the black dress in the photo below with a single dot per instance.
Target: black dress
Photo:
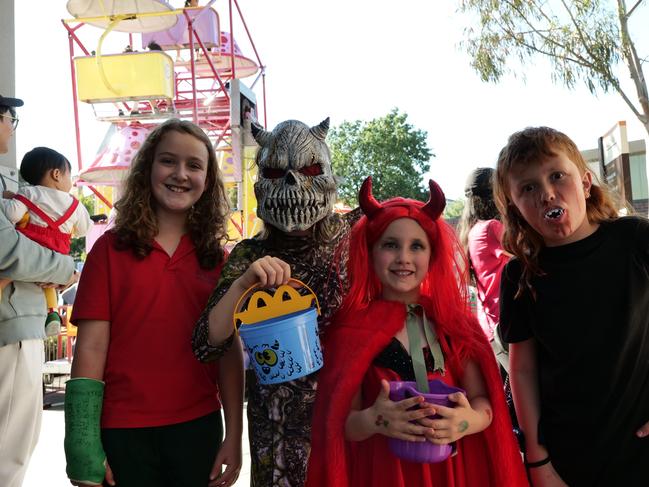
(590, 320)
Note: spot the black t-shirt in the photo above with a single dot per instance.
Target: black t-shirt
(590, 321)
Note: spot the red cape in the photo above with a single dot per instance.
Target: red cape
(349, 349)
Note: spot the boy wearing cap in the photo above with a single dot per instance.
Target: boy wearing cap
(22, 311)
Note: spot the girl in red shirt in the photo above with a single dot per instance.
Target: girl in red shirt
(143, 287)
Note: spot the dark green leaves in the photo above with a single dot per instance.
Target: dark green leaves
(389, 149)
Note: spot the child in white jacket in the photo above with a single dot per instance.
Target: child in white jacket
(46, 212)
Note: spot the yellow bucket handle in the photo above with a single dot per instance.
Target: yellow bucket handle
(100, 65)
(281, 289)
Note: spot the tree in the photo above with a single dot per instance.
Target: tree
(453, 209)
(389, 149)
(78, 245)
(585, 40)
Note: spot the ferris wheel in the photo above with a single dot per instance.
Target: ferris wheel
(177, 63)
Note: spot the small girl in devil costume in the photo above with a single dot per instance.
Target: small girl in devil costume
(403, 269)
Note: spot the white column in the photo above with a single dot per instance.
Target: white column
(8, 68)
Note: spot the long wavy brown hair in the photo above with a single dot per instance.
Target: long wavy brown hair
(479, 205)
(525, 148)
(136, 223)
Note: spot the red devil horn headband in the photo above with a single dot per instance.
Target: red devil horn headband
(366, 199)
(433, 208)
(436, 202)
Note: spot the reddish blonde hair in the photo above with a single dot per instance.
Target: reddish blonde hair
(529, 147)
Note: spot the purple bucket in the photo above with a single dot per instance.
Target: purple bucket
(424, 451)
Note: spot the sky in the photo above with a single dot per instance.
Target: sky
(344, 59)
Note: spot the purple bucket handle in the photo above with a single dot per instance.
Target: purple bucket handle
(439, 391)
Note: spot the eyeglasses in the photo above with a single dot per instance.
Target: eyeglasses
(14, 120)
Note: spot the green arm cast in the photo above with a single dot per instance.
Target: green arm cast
(86, 460)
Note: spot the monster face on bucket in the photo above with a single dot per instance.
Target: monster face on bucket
(296, 187)
(270, 358)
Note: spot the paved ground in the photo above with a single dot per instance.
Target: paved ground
(47, 467)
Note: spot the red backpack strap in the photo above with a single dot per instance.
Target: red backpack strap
(68, 213)
(37, 211)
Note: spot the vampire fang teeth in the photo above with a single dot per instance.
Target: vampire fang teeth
(554, 213)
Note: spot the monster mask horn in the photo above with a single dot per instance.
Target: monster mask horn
(320, 130)
(259, 134)
(295, 188)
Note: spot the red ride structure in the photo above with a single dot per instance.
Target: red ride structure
(184, 66)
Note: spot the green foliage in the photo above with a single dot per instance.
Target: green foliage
(389, 149)
(453, 209)
(232, 193)
(78, 245)
(584, 40)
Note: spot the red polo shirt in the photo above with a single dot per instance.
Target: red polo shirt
(152, 377)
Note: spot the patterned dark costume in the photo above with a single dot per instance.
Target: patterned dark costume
(295, 191)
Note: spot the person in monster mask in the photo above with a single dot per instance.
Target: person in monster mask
(295, 192)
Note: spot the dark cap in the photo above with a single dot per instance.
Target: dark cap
(479, 183)
(10, 102)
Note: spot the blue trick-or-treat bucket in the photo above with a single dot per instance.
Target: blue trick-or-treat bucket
(284, 348)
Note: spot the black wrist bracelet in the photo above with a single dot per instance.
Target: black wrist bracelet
(540, 463)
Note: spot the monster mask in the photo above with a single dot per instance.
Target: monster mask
(295, 187)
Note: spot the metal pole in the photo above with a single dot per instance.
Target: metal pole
(234, 74)
(192, 64)
(74, 95)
